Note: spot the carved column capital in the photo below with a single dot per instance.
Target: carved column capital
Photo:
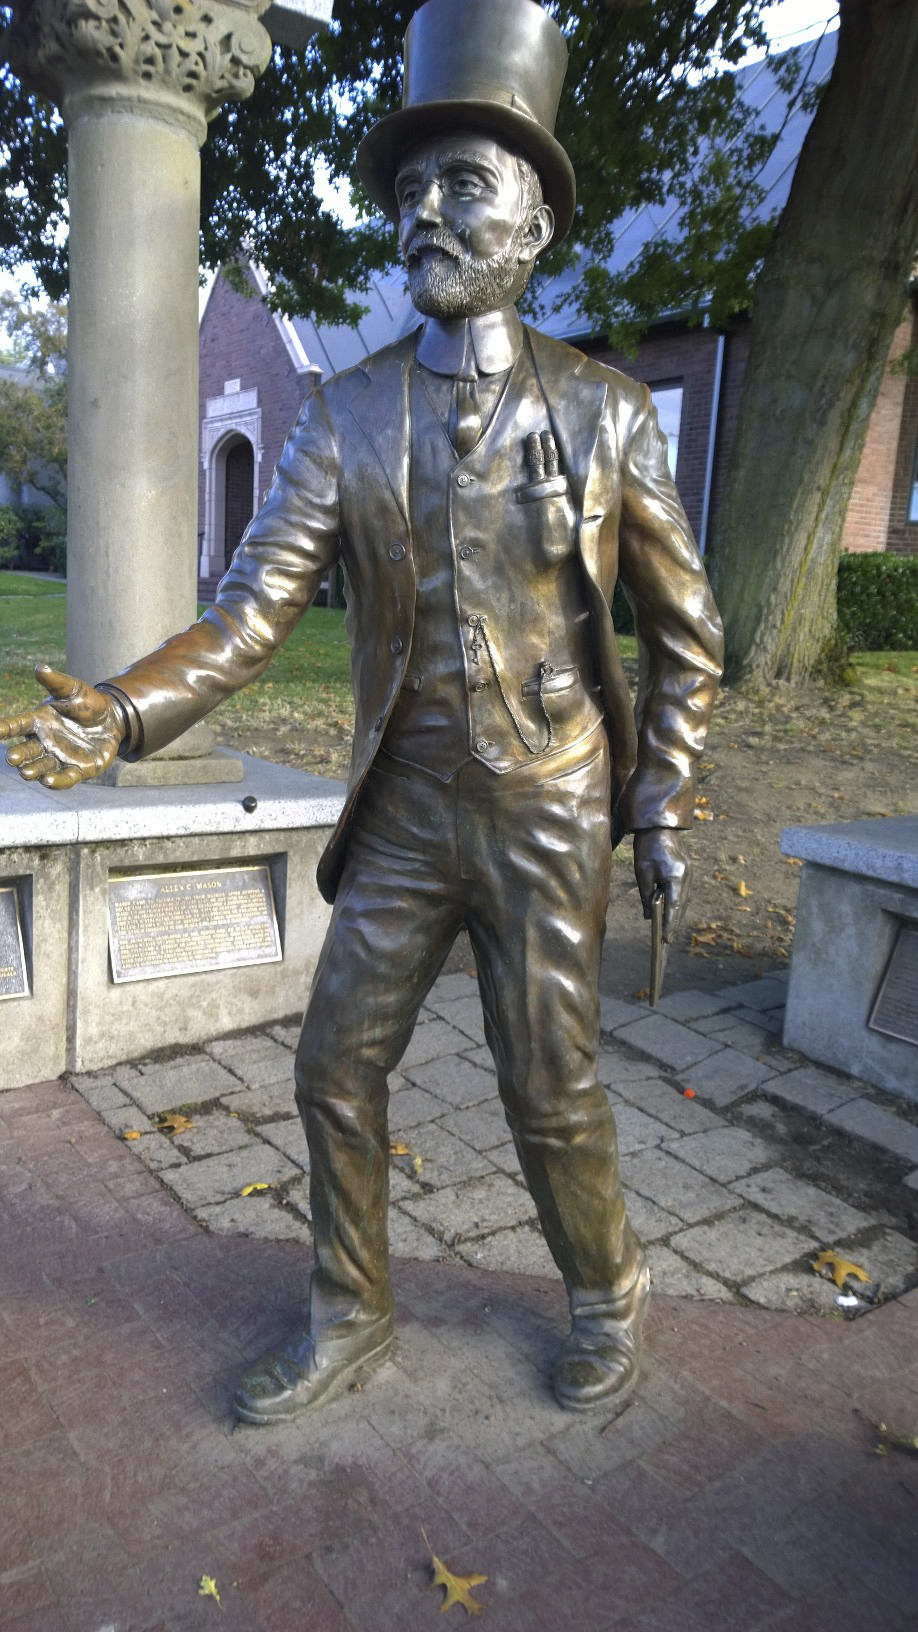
(191, 55)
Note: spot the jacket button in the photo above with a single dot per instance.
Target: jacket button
(463, 480)
(396, 552)
(482, 745)
(395, 646)
(466, 552)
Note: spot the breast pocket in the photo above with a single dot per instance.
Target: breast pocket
(549, 517)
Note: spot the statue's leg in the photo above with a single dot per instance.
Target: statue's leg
(542, 860)
(394, 921)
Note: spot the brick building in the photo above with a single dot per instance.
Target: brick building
(256, 368)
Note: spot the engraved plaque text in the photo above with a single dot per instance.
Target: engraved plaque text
(182, 923)
(14, 980)
(895, 1011)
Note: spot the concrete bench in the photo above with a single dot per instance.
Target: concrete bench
(853, 995)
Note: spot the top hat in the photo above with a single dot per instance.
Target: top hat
(492, 66)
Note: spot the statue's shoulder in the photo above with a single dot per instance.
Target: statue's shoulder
(388, 361)
(559, 358)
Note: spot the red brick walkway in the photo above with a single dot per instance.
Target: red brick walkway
(738, 1492)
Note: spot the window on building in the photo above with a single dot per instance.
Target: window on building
(667, 399)
(912, 511)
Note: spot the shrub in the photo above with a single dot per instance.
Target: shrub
(622, 615)
(10, 528)
(878, 602)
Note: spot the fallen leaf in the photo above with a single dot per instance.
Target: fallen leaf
(250, 1189)
(398, 1147)
(702, 799)
(703, 815)
(132, 1134)
(688, 1093)
(839, 1268)
(417, 1164)
(742, 889)
(174, 1123)
(207, 1588)
(458, 1587)
(890, 1440)
(642, 993)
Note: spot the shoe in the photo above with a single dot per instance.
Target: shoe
(600, 1359)
(290, 1380)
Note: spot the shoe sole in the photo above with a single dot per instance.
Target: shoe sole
(613, 1400)
(367, 1362)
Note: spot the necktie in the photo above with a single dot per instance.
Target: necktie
(467, 430)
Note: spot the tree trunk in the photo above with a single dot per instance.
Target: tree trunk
(831, 292)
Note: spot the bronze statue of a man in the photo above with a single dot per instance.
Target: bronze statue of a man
(484, 487)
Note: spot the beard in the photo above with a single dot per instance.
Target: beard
(447, 280)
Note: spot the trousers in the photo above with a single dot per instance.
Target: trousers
(523, 862)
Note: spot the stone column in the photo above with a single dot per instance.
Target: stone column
(136, 82)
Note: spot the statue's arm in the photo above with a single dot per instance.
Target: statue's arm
(680, 653)
(285, 552)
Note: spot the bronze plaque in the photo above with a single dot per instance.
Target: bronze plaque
(182, 923)
(895, 1011)
(14, 979)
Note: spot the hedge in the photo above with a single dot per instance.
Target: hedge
(878, 601)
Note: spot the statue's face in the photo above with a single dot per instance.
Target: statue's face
(468, 239)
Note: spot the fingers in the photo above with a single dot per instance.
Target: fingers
(63, 687)
(24, 752)
(64, 777)
(18, 726)
(35, 770)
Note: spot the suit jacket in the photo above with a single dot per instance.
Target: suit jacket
(341, 491)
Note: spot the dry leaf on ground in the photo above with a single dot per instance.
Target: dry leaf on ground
(838, 1268)
(207, 1588)
(250, 1189)
(398, 1147)
(173, 1123)
(131, 1133)
(890, 1440)
(458, 1587)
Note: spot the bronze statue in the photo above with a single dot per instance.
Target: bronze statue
(484, 487)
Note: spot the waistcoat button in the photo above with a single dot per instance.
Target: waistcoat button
(482, 745)
(395, 645)
(466, 552)
(397, 552)
(463, 479)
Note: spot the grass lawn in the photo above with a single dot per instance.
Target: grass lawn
(300, 711)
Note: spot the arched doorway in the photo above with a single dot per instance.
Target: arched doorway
(238, 491)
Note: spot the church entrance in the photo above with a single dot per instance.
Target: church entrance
(238, 506)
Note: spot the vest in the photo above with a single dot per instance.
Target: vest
(501, 667)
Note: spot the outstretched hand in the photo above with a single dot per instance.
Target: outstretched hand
(71, 737)
(660, 859)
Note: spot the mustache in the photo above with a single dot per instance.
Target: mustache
(436, 238)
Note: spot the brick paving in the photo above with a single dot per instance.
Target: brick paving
(739, 1490)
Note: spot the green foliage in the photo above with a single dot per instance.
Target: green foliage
(33, 400)
(878, 601)
(10, 525)
(622, 615)
(648, 87)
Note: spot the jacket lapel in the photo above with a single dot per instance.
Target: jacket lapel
(380, 407)
(576, 405)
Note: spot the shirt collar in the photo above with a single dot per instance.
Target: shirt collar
(491, 343)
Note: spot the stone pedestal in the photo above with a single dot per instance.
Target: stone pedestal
(60, 851)
(858, 896)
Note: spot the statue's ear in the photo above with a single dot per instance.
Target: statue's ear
(537, 233)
